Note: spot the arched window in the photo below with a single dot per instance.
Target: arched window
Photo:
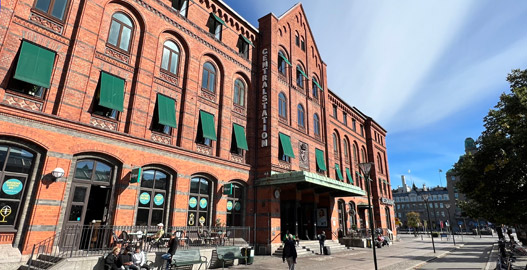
(235, 207)
(346, 145)
(379, 162)
(282, 105)
(208, 81)
(15, 168)
(170, 59)
(239, 93)
(199, 202)
(121, 30)
(335, 144)
(316, 124)
(315, 88)
(301, 115)
(281, 62)
(362, 155)
(355, 154)
(388, 218)
(299, 77)
(54, 8)
(152, 198)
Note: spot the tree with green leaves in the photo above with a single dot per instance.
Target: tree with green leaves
(493, 177)
(413, 220)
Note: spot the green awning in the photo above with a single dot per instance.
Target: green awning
(166, 111)
(285, 142)
(35, 65)
(285, 58)
(320, 159)
(318, 85)
(348, 173)
(247, 40)
(111, 92)
(217, 18)
(239, 134)
(207, 125)
(302, 72)
(339, 173)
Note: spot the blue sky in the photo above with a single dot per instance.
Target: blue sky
(427, 71)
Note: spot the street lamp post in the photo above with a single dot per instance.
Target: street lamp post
(447, 205)
(366, 168)
(425, 198)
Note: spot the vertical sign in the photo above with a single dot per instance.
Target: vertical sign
(135, 175)
(265, 78)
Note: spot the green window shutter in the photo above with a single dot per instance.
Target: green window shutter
(247, 40)
(217, 18)
(339, 173)
(348, 173)
(35, 65)
(166, 111)
(239, 134)
(112, 92)
(207, 125)
(285, 141)
(318, 85)
(320, 159)
(302, 72)
(285, 59)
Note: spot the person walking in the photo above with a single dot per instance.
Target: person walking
(321, 240)
(289, 252)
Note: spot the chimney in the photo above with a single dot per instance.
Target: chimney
(405, 188)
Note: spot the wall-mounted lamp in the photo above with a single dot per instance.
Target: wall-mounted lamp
(57, 173)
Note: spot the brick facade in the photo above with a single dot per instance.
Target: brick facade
(60, 128)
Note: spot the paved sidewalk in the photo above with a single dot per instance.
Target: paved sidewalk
(471, 256)
(408, 253)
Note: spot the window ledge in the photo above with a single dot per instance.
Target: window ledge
(204, 149)
(46, 21)
(238, 109)
(282, 120)
(161, 137)
(284, 164)
(237, 158)
(168, 77)
(117, 54)
(208, 95)
(23, 101)
(104, 122)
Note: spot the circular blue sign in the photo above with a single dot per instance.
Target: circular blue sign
(12, 186)
(238, 206)
(203, 203)
(192, 202)
(159, 199)
(229, 205)
(144, 198)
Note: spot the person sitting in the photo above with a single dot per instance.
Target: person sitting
(125, 259)
(111, 261)
(139, 259)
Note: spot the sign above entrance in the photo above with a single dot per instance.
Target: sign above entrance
(387, 201)
(227, 189)
(135, 175)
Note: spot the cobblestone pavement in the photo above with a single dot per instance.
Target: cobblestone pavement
(408, 253)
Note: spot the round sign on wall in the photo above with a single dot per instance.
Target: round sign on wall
(238, 206)
(229, 205)
(203, 203)
(192, 202)
(144, 198)
(12, 186)
(159, 199)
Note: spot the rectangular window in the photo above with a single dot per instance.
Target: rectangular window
(362, 130)
(164, 115)
(345, 119)
(33, 70)
(286, 148)
(215, 25)
(338, 173)
(348, 174)
(180, 5)
(239, 141)
(303, 45)
(321, 163)
(243, 46)
(206, 129)
(335, 111)
(353, 124)
(297, 40)
(110, 98)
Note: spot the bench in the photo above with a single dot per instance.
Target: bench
(188, 258)
(229, 254)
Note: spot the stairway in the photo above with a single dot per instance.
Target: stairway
(42, 262)
(306, 248)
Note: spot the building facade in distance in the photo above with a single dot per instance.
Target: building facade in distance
(176, 112)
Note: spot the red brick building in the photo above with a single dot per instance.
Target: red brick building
(194, 96)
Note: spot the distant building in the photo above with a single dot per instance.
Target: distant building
(411, 200)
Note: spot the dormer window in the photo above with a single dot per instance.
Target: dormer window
(215, 24)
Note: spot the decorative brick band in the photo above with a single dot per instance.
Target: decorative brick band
(21, 102)
(47, 23)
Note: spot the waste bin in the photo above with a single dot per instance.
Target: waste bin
(249, 253)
